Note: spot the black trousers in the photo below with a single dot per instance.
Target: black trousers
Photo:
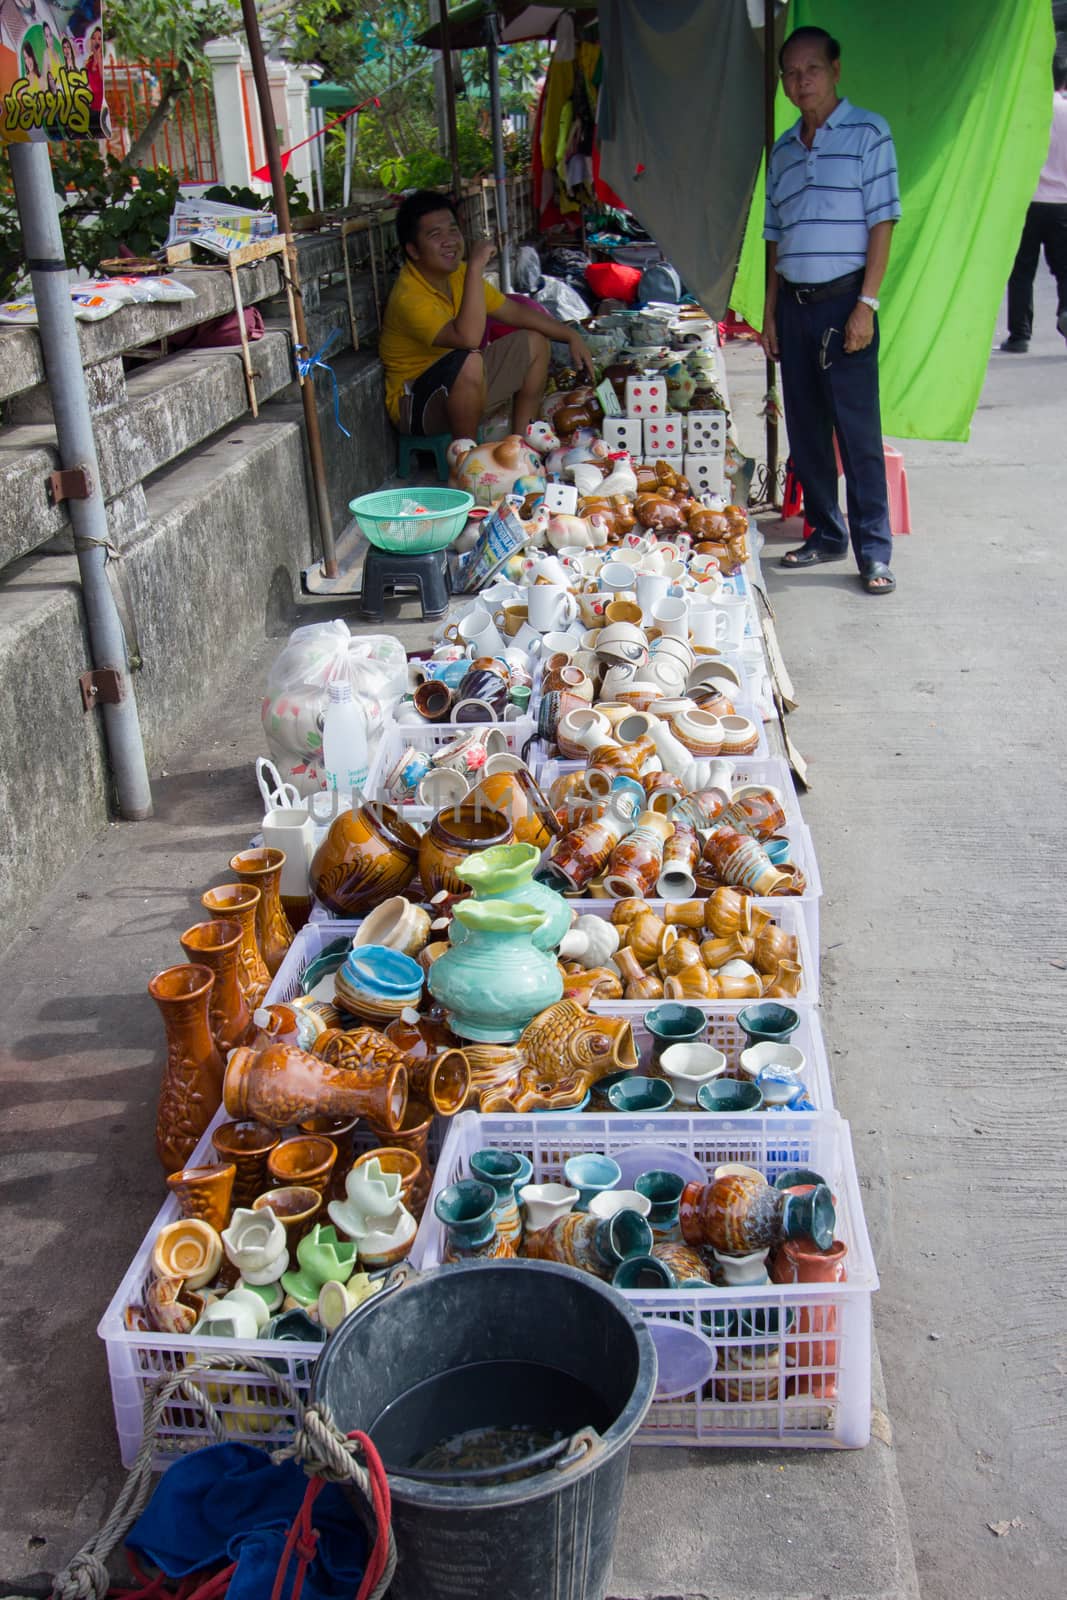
(826, 392)
(1046, 225)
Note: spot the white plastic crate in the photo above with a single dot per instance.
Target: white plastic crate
(769, 770)
(726, 1034)
(432, 736)
(310, 942)
(807, 1338)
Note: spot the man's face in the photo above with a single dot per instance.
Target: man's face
(809, 78)
(438, 246)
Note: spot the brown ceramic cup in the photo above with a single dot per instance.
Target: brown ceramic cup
(305, 1162)
(246, 1145)
(295, 1206)
(433, 700)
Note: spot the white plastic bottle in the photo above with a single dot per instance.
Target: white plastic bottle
(344, 743)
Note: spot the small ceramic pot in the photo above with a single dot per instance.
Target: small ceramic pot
(246, 1145)
(397, 924)
(433, 700)
(407, 1165)
(295, 1207)
(742, 1271)
(256, 1244)
(688, 1067)
(664, 1191)
(643, 1273)
(740, 736)
(466, 1209)
(591, 1175)
(190, 1250)
(376, 983)
(671, 1024)
(699, 731)
(637, 1093)
(542, 1203)
(204, 1192)
(769, 1053)
(611, 1201)
(729, 1095)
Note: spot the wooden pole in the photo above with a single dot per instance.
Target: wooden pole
(281, 211)
(450, 100)
(770, 89)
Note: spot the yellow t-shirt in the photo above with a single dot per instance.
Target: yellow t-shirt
(414, 316)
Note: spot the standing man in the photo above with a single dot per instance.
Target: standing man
(437, 378)
(1046, 224)
(832, 201)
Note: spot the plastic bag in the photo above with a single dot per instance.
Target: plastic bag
(162, 290)
(295, 702)
(560, 300)
(526, 272)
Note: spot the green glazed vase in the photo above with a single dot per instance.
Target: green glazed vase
(496, 981)
(506, 872)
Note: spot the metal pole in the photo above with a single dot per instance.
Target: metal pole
(42, 242)
(500, 177)
(281, 211)
(770, 89)
(450, 101)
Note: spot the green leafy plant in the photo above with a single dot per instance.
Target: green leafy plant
(238, 195)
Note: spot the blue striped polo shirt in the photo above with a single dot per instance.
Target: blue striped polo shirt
(823, 202)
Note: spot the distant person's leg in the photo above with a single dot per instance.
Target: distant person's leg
(448, 397)
(1055, 237)
(516, 369)
(1021, 285)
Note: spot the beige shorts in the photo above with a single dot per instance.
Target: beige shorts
(424, 403)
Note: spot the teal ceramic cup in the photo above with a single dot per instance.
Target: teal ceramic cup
(672, 1023)
(664, 1190)
(590, 1175)
(643, 1272)
(729, 1095)
(641, 1094)
(768, 1022)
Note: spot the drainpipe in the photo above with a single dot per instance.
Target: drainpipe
(111, 686)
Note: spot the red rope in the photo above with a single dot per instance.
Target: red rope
(383, 1515)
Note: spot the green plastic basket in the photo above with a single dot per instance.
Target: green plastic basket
(388, 526)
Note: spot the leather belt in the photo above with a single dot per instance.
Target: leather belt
(809, 294)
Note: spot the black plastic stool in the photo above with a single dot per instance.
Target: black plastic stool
(384, 571)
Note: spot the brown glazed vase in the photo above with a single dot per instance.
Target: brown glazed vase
(262, 868)
(217, 945)
(368, 855)
(455, 834)
(204, 1192)
(638, 984)
(799, 1261)
(246, 1146)
(192, 1078)
(637, 860)
(592, 1244)
(758, 813)
(581, 854)
(238, 902)
(283, 1085)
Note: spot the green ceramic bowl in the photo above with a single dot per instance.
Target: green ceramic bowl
(329, 961)
(641, 1094)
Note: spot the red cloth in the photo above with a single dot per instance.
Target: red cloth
(602, 190)
(611, 281)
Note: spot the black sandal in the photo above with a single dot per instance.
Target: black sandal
(877, 579)
(809, 555)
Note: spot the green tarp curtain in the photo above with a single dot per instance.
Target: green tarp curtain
(966, 86)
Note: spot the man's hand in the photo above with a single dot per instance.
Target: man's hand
(769, 336)
(482, 252)
(581, 355)
(859, 329)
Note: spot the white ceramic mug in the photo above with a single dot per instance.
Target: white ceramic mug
(291, 829)
(478, 633)
(671, 617)
(704, 622)
(548, 569)
(549, 607)
(651, 587)
(559, 642)
(731, 612)
(616, 577)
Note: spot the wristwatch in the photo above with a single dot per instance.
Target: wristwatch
(869, 300)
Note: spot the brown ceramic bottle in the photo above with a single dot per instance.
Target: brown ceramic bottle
(681, 852)
(262, 868)
(639, 984)
(580, 855)
(368, 855)
(216, 945)
(237, 902)
(192, 1078)
(800, 1261)
(283, 1085)
(637, 859)
(454, 835)
(758, 813)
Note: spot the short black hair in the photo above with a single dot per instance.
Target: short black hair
(412, 210)
(813, 35)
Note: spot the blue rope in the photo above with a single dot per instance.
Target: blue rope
(304, 364)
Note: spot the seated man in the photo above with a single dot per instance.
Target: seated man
(437, 380)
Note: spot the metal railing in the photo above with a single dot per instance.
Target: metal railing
(186, 143)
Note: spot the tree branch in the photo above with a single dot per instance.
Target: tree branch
(173, 86)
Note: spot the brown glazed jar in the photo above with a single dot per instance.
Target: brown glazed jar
(580, 855)
(217, 945)
(637, 860)
(456, 833)
(283, 1085)
(263, 869)
(740, 1213)
(368, 855)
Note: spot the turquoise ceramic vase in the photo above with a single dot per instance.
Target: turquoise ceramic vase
(497, 980)
(506, 872)
(502, 1171)
(468, 1211)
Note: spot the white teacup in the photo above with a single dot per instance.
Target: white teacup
(616, 576)
(651, 587)
(560, 642)
(549, 607)
(731, 613)
(671, 617)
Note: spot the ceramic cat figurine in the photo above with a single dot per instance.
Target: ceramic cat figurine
(490, 471)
